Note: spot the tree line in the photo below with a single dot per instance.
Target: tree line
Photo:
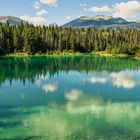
(27, 38)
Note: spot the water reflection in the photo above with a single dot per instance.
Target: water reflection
(82, 117)
(32, 80)
(96, 80)
(122, 79)
(69, 98)
(86, 117)
(40, 80)
(27, 68)
(50, 87)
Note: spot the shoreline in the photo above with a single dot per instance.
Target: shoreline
(103, 54)
(118, 55)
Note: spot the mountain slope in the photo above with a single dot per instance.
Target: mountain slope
(10, 20)
(101, 22)
(138, 21)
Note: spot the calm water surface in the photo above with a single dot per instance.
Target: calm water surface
(69, 98)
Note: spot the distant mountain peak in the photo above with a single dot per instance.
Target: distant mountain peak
(95, 21)
(96, 17)
(10, 19)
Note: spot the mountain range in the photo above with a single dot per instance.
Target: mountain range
(98, 21)
(101, 21)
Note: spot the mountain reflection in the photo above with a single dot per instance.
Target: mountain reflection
(28, 68)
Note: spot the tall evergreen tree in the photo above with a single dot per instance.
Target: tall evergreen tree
(40, 39)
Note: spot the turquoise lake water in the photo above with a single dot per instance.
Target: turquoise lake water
(69, 98)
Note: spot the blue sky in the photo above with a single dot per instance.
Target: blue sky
(62, 11)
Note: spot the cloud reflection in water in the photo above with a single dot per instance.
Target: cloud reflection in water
(118, 79)
(84, 117)
(47, 87)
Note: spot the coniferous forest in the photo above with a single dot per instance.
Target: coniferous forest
(30, 39)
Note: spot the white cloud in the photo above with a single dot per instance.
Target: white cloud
(70, 17)
(50, 2)
(102, 9)
(37, 5)
(95, 80)
(127, 9)
(73, 95)
(83, 4)
(50, 88)
(41, 13)
(36, 20)
(123, 79)
(120, 80)
(79, 102)
(40, 80)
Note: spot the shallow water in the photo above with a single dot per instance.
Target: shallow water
(69, 98)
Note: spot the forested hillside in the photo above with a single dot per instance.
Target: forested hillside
(27, 38)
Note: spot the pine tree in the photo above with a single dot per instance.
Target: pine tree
(37, 39)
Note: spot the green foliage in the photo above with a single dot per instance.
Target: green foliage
(30, 39)
(28, 68)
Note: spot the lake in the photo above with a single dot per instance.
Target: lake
(81, 97)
